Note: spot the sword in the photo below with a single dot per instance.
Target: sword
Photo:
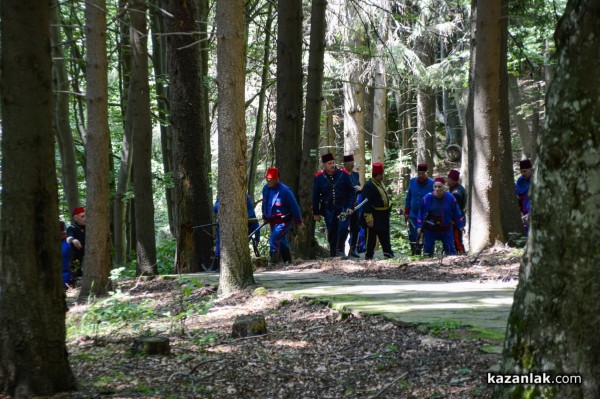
(344, 215)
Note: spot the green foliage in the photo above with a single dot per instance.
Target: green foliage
(187, 305)
(165, 255)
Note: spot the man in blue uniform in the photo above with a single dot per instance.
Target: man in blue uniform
(417, 189)
(279, 208)
(376, 213)
(438, 215)
(333, 194)
(459, 192)
(355, 217)
(522, 188)
(252, 226)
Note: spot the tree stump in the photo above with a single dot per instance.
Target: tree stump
(151, 346)
(249, 326)
(453, 152)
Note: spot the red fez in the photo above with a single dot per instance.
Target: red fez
(79, 210)
(377, 168)
(349, 158)
(454, 175)
(327, 157)
(439, 180)
(272, 173)
(525, 164)
(422, 167)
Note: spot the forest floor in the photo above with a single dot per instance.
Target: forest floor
(309, 351)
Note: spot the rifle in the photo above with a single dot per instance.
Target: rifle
(344, 215)
(250, 220)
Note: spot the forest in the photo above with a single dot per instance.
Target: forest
(144, 112)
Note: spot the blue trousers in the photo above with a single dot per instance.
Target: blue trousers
(278, 236)
(337, 231)
(446, 237)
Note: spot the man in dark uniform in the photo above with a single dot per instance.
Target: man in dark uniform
(522, 189)
(333, 194)
(76, 238)
(418, 187)
(354, 218)
(459, 192)
(376, 214)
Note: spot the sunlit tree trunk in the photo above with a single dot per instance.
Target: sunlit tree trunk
(33, 354)
(236, 268)
(380, 105)
(485, 225)
(139, 101)
(553, 325)
(288, 137)
(305, 238)
(425, 109)
(97, 262)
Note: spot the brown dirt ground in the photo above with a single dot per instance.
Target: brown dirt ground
(309, 351)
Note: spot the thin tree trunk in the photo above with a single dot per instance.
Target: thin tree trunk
(305, 238)
(236, 268)
(379, 113)
(425, 110)
(139, 101)
(62, 122)
(33, 354)
(527, 144)
(261, 103)
(354, 117)
(97, 261)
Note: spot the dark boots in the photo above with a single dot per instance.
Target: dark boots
(286, 255)
(273, 258)
(353, 253)
(415, 249)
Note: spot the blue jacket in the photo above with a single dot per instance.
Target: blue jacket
(278, 201)
(333, 192)
(415, 194)
(522, 189)
(443, 212)
(251, 215)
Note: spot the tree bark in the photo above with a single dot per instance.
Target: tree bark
(485, 224)
(64, 134)
(305, 238)
(33, 354)
(288, 137)
(236, 267)
(97, 262)
(191, 191)
(425, 109)
(554, 321)
(354, 116)
(139, 101)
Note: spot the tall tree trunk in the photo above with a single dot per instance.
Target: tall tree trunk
(509, 210)
(264, 82)
(205, 49)
(64, 134)
(486, 227)
(120, 241)
(191, 190)
(288, 137)
(527, 143)
(33, 354)
(139, 101)
(305, 238)
(553, 325)
(327, 142)
(159, 62)
(97, 261)
(236, 268)
(379, 113)
(425, 109)
(354, 116)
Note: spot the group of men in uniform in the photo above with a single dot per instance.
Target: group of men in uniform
(434, 209)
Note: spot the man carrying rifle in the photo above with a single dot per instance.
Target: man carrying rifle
(355, 217)
(376, 214)
(252, 226)
(333, 194)
(279, 208)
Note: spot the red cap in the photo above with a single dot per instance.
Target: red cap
(525, 164)
(422, 167)
(440, 180)
(272, 173)
(79, 210)
(454, 175)
(327, 157)
(349, 158)
(377, 168)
